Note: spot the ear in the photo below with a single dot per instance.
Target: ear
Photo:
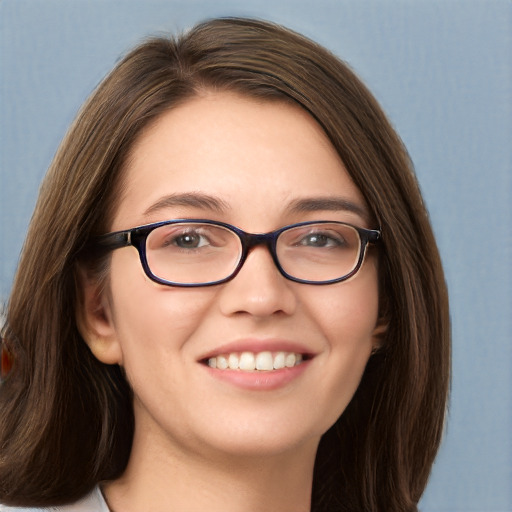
(379, 333)
(95, 320)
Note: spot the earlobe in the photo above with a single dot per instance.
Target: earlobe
(95, 322)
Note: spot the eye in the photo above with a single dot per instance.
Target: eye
(189, 240)
(320, 239)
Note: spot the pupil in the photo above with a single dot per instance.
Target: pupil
(317, 240)
(188, 240)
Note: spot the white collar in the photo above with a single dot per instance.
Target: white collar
(93, 502)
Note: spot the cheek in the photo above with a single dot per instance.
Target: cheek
(347, 319)
(348, 311)
(148, 315)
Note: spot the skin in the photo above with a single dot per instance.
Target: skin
(202, 443)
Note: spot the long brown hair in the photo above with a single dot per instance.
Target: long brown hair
(66, 420)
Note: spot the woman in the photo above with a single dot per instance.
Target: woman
(230, 296)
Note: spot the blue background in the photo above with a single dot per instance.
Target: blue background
(443, 72)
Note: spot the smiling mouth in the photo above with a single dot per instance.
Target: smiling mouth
(256, 361)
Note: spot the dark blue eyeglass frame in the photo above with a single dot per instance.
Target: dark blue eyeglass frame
(137, 236)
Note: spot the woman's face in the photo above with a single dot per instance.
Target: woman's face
(225, 157)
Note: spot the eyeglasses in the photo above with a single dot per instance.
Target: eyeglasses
(195, 252)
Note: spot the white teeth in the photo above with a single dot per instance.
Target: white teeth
(264, 361)
(233, 361)
(279, 360)
(261, 361)
(247, 361)
(289, 360)
(222, 363)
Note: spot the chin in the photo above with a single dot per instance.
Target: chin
(264, 439)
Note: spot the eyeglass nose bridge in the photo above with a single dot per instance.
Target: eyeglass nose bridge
(252, 240)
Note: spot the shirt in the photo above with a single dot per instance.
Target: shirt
(93, 502)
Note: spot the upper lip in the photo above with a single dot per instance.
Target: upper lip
(259, 345)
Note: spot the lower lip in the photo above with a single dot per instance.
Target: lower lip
(259, 380)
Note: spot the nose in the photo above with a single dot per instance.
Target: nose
(258, 289)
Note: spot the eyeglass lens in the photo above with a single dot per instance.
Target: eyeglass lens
(194, 253)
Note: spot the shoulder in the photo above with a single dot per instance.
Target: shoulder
(93, 502)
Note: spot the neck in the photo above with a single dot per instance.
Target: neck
(160, 481)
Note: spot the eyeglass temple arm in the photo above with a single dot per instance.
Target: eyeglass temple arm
(373, 235)
(109, 242)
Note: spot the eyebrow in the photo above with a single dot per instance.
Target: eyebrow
(189, 199)
(205, 201)
(314, 204)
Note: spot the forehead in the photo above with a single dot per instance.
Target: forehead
(245, 152)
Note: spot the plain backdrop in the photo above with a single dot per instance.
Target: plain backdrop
(442, 69)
